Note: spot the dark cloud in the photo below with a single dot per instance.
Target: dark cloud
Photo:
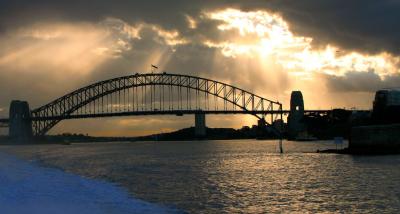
(360, 82)
(362, 25)
(169, 14)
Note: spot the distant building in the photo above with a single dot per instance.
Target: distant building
(386, 98)
(279, 125)
(245, 128)
(386, 106)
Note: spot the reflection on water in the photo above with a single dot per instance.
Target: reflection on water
(235, 176)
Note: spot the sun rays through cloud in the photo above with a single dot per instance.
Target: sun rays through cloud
(270, 35)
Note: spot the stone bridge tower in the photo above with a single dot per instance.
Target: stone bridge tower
(295, 123)
(20, 126)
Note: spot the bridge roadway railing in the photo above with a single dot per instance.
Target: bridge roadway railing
(166, 112)
(4, 122)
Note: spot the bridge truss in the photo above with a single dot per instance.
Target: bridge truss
(153, 93)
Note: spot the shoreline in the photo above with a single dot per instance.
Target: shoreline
(369, 152)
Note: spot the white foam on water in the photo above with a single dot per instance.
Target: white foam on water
(28, 188)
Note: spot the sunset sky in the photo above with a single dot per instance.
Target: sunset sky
(336, 52)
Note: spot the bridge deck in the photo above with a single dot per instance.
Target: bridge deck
(168, 112)
(173, 112)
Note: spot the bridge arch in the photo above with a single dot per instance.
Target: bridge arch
(71, 105)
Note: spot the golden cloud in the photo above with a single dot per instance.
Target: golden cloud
(295, 53)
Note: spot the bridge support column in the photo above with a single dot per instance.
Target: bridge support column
(20, 126)
(295, 124)
(200, 125)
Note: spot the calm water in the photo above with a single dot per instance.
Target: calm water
(242, 176)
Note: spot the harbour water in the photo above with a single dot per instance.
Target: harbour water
(239, 176)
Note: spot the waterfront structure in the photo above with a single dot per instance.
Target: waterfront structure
(375, 138)
(383, 132)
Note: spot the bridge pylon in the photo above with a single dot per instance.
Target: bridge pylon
(200, 128)
(20, 125)
(295, 119)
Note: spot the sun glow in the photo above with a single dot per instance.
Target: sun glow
(270, 36)
(270, 31)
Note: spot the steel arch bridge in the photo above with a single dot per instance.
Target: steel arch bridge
(151, 94)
